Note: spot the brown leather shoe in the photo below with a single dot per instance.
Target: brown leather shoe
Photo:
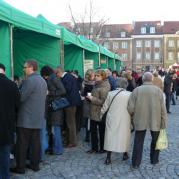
(71, 145)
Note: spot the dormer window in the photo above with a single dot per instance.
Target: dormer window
(143, 30)
(152, 30)
(123, 34)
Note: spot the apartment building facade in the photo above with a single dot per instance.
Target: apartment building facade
(140, 44)
(117, 38)
(147, 50)
(171, 43)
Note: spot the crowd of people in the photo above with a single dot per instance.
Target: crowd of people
(109, 105)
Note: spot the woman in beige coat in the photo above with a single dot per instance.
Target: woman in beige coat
(97, 98)
(118, 121)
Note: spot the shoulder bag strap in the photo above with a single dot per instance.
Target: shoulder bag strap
(113, 98)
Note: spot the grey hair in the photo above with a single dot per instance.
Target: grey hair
(147, 77)
(59, 68)
(121, 83)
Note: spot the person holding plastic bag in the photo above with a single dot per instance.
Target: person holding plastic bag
(147, 108)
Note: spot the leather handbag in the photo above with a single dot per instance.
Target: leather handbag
(105, 114)
(59, 104)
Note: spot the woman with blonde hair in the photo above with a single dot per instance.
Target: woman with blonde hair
(97, 98)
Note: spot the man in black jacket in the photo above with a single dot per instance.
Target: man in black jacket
(9, 103)
(73, 96)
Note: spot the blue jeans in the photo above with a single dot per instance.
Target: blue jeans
(57, 140)
(43, 140)
(4, 162)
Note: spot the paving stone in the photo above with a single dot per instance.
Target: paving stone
(75, 163)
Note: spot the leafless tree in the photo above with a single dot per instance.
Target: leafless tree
(86, 24)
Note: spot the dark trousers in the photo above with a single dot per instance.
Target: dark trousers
(168, 99)
(138, 148)
(4, 162)
(28, 138)
(172, 98)
(94, 134)
(70, 117)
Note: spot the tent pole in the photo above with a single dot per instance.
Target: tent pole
(99, 61)
(107, 62)
(114, 63)
(61, 53)
(11, 51)
(83, 62)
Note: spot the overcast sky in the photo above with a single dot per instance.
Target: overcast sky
(116, 11)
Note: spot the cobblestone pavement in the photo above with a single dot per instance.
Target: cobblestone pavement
(76, 164)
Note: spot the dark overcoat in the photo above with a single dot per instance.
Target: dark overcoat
(9, 103)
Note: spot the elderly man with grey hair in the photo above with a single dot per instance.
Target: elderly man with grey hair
(117, 132)
(147, 109)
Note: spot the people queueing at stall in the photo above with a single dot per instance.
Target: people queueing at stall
(46, 112)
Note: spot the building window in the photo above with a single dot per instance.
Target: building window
(138, 43)
(124, 45)
(138, 56)
(106, 44)
(170, 56)
(171, 43)
(123, 34)
(115, 45)
(156, 55)
(124, 56)
(147, 43)
(177, 56)
(152, 30)
(147, 55)
(91, 30)
(177, 43)
(156, 43)
(143, 30)
(107, 34)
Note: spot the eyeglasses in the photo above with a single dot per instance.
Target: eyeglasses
(25, 67)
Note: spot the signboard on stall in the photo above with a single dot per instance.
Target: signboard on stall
(88, 64)
(103, 61)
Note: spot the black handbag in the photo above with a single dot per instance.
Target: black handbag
(59, 104)
(105, 114)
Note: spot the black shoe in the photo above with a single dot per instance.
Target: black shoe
(134, 167)
(17, 170)
(107, 161)
(91, 151)
(168, 112)
(155, 163)
(35, 169)
(101, 151)
(125, 157)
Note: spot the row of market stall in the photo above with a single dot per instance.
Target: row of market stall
(25, 37)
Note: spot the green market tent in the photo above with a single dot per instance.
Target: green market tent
(26, 37)
(31, 45)
(5, 47)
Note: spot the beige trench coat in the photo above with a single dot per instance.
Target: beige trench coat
(118, 122)
(147, 108)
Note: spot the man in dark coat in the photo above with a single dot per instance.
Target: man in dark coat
(9, 103)
(168, 89)
(73, 96)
